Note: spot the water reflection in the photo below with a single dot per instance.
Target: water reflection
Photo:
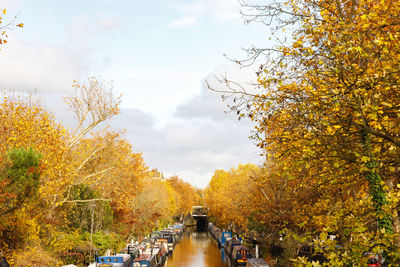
(197, 249)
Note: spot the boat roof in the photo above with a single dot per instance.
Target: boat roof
(234, 241)
(236, 248)
(144, 257)
(256, 262)
(114, 260)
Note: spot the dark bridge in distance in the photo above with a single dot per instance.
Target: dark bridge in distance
(200, 215)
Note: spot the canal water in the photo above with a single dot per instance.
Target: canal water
(197, 249)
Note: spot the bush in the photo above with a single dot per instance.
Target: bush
(104, 241)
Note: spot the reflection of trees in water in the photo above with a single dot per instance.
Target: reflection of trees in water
(203, 236)
(196, 249)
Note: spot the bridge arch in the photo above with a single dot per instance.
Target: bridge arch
(200, 215)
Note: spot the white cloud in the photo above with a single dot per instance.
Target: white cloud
(10, 4)
(183, 22)
(39, 66)
(193, 144)
(156, 90)
(199, 138)
(244, 78)
(198, 178)
(51, 67)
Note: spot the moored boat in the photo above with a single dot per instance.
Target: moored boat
(163, 242)
(119, 260)
(240, 255)
(224, 236)
(169, 236)
(230, 244)
(145, 260)
(256, 262)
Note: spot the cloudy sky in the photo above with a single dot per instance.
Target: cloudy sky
(158, 54)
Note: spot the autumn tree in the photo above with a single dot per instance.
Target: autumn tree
(25, 124)
(92, 103)
(152, 206)
(228, 198)
(86, 214)
(327, 117)
(110, 173)
(186, 194)
(20, 179)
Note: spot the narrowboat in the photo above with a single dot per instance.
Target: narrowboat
(169, 235)
(145, 260)
(230, 244)
(155, 235)
(146, 242)
(256, 262)
(215, 233)
(132, 250)
(180, 227)
(163, 242)
(239, 255)
(177, 235)
(224, 236)
(119, 260)
(154, 252)
(163, 252)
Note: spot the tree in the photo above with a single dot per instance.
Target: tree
(327, 117)
(24, 123)
(88, 211)
(92, 103)
(186, 194)
(27, 201)
(19, 180)
(228, 198)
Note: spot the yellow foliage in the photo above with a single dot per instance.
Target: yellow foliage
(229, 197)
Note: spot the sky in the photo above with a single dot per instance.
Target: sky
(158, 54)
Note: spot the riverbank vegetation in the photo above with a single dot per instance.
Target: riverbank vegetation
(326, 114)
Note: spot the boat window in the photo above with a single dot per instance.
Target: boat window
(243, 254)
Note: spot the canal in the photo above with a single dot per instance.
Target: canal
(197, 249)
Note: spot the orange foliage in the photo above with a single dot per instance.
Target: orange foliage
(228, 195)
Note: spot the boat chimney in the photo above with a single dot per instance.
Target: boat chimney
(257, 251)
